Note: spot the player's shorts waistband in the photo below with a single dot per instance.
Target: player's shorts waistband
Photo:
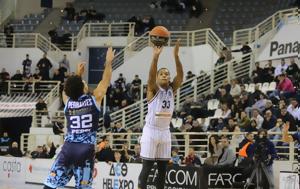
(157, 127)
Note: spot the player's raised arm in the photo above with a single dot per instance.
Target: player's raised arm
(101, 89)
(179, 70)
(152, 86)
(285, 135)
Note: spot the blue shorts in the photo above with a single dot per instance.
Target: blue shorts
(74, 159)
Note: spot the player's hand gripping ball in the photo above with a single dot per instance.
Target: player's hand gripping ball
(159, 36)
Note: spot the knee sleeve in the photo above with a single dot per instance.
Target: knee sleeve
(147, 166)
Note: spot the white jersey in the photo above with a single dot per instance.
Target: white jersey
(160, 109)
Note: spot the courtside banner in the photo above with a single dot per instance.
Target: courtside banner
(37, 171)
(12, 171)
(117, 175)
(177, 178)
(288, 180)
(221, 177)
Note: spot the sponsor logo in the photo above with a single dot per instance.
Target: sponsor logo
(118, 171)
(286, 48)
(11, 167)
(222, 179)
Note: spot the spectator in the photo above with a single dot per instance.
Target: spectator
(105, 153)
(235, 88)
(14, 150)
(27, 66)
(236, 138)
(120, 82)
(192, 159)
(245, 49)
(44, 66)
(57, 76)
(40, 152)
(126, 153)
(196, 8)
(284, 88)
(189, 122)
(37, 75)
(41, 105)
(257, 117)
(18, 76)
(148, 23)
(5, 143)
(52, 150)
(252, 127)
(4, 75)
(281, 68)
(136, 158)
(269, 106)
(269, 120)
(288, 118)
(294, 109)
(214, 149)
(244, 121)
(175, 158)
(136, 87)
(64, 65)
(227, 156)
(57, 127)
(258, 74)
(118, 157)
(119, 139)
(221, 60)
(267, 155)
(231, 124)
(293, 70)
(226, 112)
(227, 54)
(260, 104)
(8, 31)
(269, 71)
(70, 11)
(225, 98)
(189, 75)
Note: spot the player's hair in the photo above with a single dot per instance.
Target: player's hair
(74, 87)
(160, 69)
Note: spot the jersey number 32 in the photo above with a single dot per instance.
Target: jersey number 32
(83, 121)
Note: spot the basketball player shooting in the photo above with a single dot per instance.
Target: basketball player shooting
(82, 114)
(156, 137)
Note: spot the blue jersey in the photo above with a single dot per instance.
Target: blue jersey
(82, 120)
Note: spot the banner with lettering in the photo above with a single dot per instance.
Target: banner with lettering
(117, 175)
(221, 177)
(12, 171)
(177, 178)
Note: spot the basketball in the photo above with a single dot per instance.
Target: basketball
(159, 35)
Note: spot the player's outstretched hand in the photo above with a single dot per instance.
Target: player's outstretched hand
(110, 54)
(176, 48)
(157, 50)
(80, 68)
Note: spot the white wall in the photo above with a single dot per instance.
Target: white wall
(288, 33)
(24, 7)
(193, 59)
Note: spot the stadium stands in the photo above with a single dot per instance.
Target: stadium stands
(235, 14)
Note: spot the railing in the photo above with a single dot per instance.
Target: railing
(252, 34)
(187, 39)
(42, 118)
(182, 140)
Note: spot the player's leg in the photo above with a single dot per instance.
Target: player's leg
(161, 173)
(147, 166)
(84, 175)
(59, 176)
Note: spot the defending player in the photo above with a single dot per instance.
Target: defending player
(156, 138)
(82, 113)
(290, 138)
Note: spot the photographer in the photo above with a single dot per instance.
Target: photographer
(264, 154)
